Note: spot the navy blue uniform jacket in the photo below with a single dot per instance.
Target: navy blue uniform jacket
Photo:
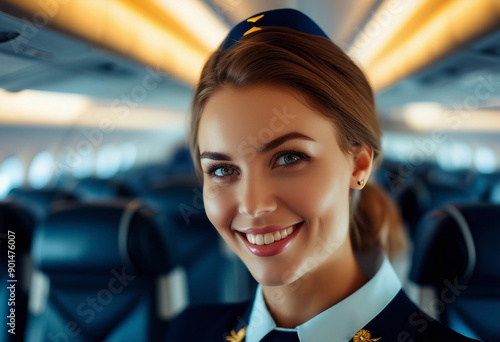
(400, 321)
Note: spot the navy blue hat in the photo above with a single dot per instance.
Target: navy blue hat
(286, 17)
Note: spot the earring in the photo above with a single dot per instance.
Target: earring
(361, 182)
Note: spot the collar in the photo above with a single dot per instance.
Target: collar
(345, 318)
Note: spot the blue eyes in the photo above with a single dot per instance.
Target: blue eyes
(223, 171)
(284, 159)
(288, 158)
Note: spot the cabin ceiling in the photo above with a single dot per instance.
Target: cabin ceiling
(50, 60)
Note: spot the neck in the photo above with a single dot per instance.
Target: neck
(332, 281)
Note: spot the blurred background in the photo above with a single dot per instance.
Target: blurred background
(96, 179)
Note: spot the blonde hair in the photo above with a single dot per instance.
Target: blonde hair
(330, 83)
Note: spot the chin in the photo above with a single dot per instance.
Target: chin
(270, 281)
(270, 276)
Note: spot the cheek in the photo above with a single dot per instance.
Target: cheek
(218, 207)
(322, 193)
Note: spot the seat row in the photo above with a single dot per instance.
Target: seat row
(119, 262)
(114, 270)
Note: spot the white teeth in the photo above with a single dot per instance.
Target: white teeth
(259, 239)
(269, 238)
(277, 236)
(251, 238)
(284, 233)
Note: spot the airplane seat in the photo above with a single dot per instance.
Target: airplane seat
(39, 201)
(212, 273)
(393, 176)
(16, 229)
(494, 194)
(460, 178)
(98, 266)
(149, 175)
(419, 197)
(387, 176)
(180, 164)
(483, 185)
(488, 186)
(90, 189)
(455, 253)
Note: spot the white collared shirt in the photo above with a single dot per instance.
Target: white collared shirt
(344, 319)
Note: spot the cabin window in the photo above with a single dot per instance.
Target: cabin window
(485, 160)
(41, 170)
(11, 175)
(108, 161)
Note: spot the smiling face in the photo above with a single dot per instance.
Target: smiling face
(276, 182)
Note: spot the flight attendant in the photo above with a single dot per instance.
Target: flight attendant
(285, 136)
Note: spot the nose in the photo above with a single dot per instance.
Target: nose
(256, 197)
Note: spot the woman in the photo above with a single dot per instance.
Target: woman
(285, 135)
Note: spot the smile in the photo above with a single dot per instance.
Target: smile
(269, 238)
(272, 243)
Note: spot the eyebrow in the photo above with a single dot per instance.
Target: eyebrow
(214, 156)
(264, 148)
(281, 140)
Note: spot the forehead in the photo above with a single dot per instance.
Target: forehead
(258, 114)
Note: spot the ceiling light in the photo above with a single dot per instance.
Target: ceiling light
(198, 19)
(41, 108)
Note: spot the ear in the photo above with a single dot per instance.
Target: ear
(361, 167)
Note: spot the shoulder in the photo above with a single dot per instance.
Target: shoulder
(403, 321)
(205, 322)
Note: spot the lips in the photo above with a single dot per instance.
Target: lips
(269, 243)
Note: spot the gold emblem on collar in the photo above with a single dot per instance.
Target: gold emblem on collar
(237, 337)
(364, 336)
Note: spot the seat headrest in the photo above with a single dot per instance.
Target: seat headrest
(458, 243)
(96, 188)
(494, 195)
(181, 215)
(97, 237)
(183, 204)
(39, 201)
(430, 197)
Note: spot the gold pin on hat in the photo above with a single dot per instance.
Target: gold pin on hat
(254, 20)
(237, 336)
(364, 336)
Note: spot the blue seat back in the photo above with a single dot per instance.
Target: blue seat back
(39, 201)
(419, 197)
(91, 189)
(195, 245)
(456, 253)
(101, 262)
